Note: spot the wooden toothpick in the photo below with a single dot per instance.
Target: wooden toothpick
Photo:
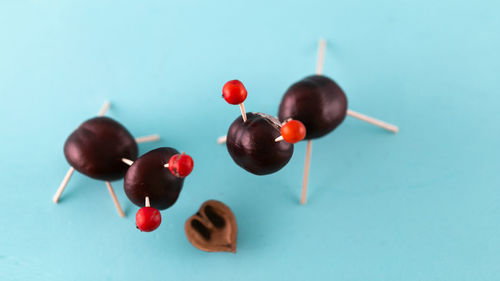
(307, 163)
(104, 108)
(321, 56)
(373, 121)
(127, 161)
(63, 184)
(243, 112)
(222, 139)
(150, 138)
(305, 179)
(147, 203)
(115, 200)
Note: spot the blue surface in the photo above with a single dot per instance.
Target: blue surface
(419, 205)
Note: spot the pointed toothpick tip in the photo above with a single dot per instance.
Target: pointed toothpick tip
(104, 108)
(222, 139)
(321, 56)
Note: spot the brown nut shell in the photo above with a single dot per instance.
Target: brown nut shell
(213, 228)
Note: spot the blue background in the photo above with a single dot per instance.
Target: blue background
(419, 205)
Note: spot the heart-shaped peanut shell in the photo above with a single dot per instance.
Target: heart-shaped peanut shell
(213, 228)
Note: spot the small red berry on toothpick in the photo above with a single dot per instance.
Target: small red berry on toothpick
(147, 218)
(234, 92)
(292, 131)
(181, 165)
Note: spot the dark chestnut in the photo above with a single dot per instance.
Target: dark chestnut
(97, 147)
(251, 144)
(318, 102)
(148, 177)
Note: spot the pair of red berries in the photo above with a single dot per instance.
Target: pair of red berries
(292, 131)
(148, 218)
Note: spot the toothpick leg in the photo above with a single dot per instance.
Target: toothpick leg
(321, 56)
(150, 138)
(373, 121)
(104, 108)
(222, 140)
(307, 164)
(115, 200)
(63, 184)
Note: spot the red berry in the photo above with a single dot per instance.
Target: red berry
(181, 165)
(234, 92)
(147, 219)
(293, 131)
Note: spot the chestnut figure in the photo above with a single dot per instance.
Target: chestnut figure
(97, 146)
(252, 144)
(318, 102)
(148, 177)
(100, 148)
